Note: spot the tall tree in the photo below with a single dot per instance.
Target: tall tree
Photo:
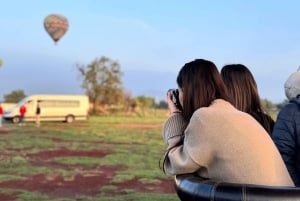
(102, 81)
(15, 96)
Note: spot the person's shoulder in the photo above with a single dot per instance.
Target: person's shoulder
(290, 110)
(218, 106)
(292, 105)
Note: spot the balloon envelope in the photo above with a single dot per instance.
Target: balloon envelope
(56, 25)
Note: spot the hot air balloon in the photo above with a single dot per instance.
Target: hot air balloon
(1, 62)
(56, 25)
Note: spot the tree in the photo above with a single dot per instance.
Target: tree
(268, 105)
(162, 105)
(145, 102)
(15, 96)
(102, 81)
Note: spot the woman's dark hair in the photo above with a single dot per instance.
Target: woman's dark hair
(242, 87)
(201, 83)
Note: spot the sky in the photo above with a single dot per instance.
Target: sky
(150, 39)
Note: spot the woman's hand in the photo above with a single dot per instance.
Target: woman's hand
(172, 107)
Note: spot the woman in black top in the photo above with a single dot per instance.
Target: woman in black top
(37, 113)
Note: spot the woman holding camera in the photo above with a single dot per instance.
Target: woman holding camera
(213, 139)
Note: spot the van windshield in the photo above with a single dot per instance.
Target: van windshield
(21, 102)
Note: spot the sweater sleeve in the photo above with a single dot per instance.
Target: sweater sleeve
(173, 130)
(181, 143)
(177, 160)
(284, 137)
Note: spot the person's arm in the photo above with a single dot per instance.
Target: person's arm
(190, 154)
(177, 160)
(284, 137)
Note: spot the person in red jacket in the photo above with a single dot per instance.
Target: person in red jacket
(1, 113)
(22, 114)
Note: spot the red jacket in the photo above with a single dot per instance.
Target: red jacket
(22, 110)
(1, 110)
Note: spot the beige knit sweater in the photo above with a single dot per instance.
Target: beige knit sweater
(224, 144)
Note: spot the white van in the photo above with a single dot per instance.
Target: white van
(53, 108)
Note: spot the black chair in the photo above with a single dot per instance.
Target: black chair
(193, 188)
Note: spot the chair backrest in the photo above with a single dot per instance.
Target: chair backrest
(193, 188)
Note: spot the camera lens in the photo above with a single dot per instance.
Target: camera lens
(170, 91)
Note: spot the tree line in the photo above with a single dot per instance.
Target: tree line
(102, 82)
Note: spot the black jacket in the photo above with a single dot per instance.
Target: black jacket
(286, 135)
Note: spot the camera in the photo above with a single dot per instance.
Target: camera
(175, 98)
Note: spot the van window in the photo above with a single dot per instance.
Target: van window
(29, 103)
(59, 103)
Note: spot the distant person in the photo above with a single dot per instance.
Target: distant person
(37, 114)
(1, 114)
(286, 133)
(22, 111)
(213, 139)
(242, 88)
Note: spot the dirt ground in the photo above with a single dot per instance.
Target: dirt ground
(87, 182)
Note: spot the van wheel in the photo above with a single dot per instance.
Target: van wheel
(16, 119)
(69, 118)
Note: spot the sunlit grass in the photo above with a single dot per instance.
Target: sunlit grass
(133, 143)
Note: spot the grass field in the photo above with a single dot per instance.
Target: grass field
(104, 158)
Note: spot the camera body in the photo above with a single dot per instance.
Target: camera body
(175, 98)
